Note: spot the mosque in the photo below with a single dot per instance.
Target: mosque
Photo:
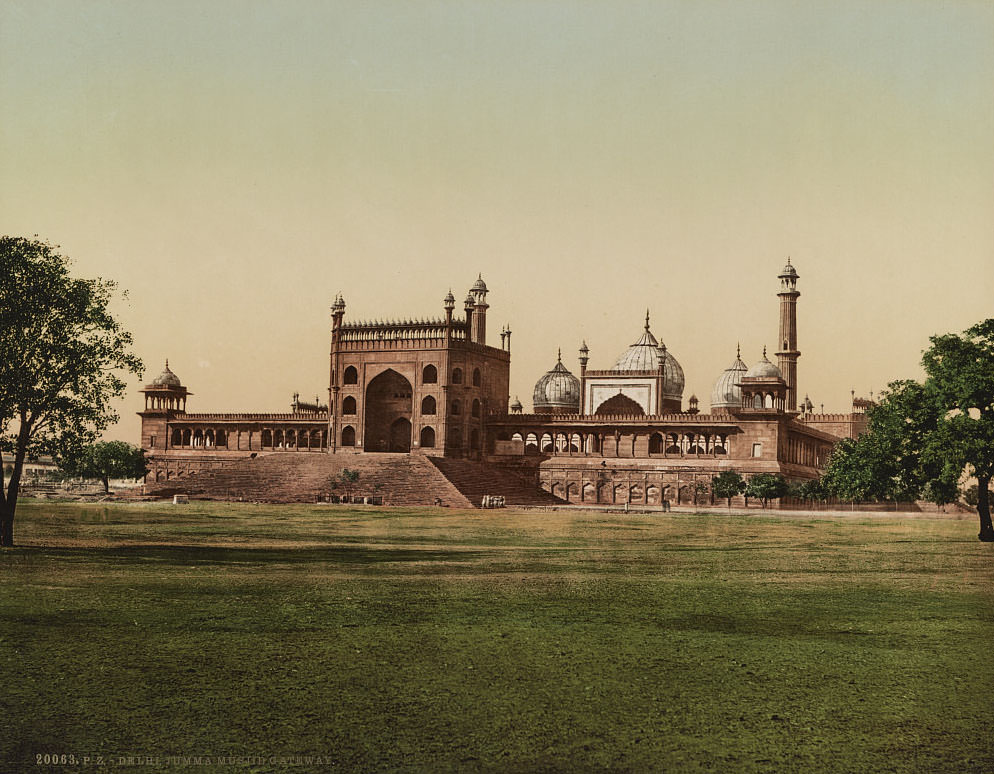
(435, 387)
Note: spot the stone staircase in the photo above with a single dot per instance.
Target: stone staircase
(399, 479)
(476, 479)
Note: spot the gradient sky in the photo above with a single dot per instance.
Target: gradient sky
(235, 164)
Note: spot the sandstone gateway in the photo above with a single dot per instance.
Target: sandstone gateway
(422, 409)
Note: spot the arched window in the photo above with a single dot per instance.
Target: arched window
(222, 438)
(457, 376)
(348, 436)
(428, 405)
(351, 376)
(427, 438)
(477, 379)
(656, 443)
(476, 408)
(198, 437)
(474, 440)
(429, 375)
(177, 437)
(455, 408)
(348, 405)
(267, 438)
(757, 401)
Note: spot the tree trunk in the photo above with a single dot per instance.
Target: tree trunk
(106, 484)
(9, 503)
(984, 509)
(6, 527)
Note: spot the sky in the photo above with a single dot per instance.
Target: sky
(234, 165)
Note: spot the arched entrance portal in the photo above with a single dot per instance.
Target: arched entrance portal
(400, 435)
(388, 414)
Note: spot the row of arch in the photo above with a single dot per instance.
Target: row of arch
(270, 438)
(626, 492)
(429, 406)
(661, 444)
(165, 403)
(429, 375)
(427, 437)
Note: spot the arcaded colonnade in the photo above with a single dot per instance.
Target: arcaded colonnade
(224, 433)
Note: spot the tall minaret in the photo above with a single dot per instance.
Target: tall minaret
(788, 352)
(478, 292)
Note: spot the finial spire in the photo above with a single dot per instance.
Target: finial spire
(764, 352)
(647, 319)
(738, 350)
(559, 355)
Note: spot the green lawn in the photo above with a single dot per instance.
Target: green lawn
(423, 640)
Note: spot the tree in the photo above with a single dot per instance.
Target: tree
(766, 486)
(346, 480)
(107, 460)
(811, 490)
(960, 381)
(728, 484)
(62, 358)
(922, 437)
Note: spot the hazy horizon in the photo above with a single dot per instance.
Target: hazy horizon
(234, 165)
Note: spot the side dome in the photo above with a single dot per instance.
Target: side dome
(557, 392)
(479, 286)
(167, 378)
(727, 393)
(644, 355)
(764, 369)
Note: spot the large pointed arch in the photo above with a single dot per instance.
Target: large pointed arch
(388, 409)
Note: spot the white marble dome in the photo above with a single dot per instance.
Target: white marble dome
(167, 378)
(764, 369)
(644, 355)
(557, 391)
(727, 393)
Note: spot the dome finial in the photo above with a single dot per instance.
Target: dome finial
(738, 350)
(559, 355)
(167, 362)
(764, 352)
(647, 319)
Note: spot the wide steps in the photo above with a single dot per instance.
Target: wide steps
(399, 479)
(477, 479)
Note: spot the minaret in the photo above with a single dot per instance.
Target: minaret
(479, 325)
(337, 313)
(584, 358)
(788, 353)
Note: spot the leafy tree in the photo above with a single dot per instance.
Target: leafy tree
(107, 460)
(960, 380)
(62, 358)
(766, 487)
(700, 491)
(728, 484)
(346, 480)
(811, 490)
(922, 437)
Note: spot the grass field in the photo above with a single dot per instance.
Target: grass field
(421, 640)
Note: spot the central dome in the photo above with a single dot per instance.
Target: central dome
(644, 355)
(557, 392)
